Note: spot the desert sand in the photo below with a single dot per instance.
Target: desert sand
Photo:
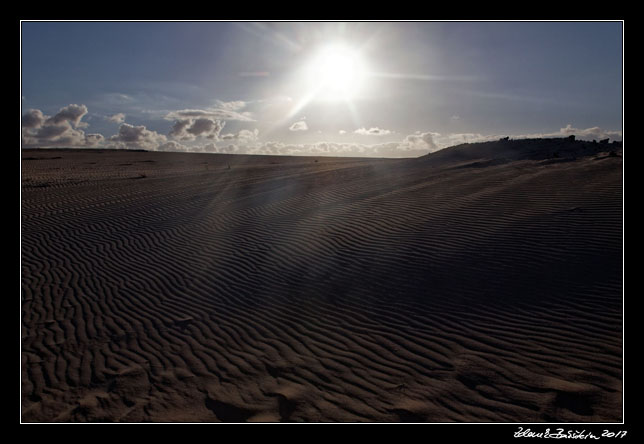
(481, 283)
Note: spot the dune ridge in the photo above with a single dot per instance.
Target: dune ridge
(477, 287)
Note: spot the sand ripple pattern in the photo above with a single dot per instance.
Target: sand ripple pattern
(186, 287)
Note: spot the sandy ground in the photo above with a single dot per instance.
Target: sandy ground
(482, 283)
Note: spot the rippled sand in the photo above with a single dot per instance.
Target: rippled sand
(465, 286)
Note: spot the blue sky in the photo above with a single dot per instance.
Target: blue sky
(394, 89)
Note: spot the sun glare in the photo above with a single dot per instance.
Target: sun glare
(336, 73)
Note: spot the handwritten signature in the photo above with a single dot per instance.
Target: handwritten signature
(567, 434)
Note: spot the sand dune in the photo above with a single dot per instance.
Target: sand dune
(482, 283)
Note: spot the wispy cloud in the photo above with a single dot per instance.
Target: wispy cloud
(116, 98)
(233, 105)
(212, 113)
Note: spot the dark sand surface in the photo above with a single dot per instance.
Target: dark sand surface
(482, 283)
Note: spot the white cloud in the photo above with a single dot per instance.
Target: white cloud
(92, 140)
(420, 141)
(207, 127)
(594, 133)
(190, 129)
(191, 124)
(117, 118)
(137, 137)
(34, 118)
(374, 131)
(178, 129)
(243, 137)
(60, 130)
(445, 140)
(299, 126)
(70, 113)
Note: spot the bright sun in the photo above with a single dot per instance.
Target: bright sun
(336, 73)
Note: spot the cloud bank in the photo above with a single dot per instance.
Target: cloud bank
(195, 130)
(372, 132)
